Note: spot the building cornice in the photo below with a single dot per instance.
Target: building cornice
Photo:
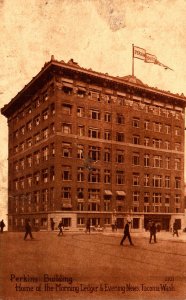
(72, 69)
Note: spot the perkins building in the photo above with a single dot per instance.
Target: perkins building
(86, 145)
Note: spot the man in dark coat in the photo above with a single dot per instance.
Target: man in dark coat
(2, 225)
(60, 226)
(175, 229)
(88, 226)
(127, 234)
(152, 232)
(28, 229)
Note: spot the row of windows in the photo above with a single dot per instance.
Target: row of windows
(107, 134)
(95, 114)
(38, 137)
(46, 175)
(109, 99)
(50, 111)
(38, 157)
(35, 104)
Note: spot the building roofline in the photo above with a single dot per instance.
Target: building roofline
(71, 65)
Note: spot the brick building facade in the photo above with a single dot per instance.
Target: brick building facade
(88, 145)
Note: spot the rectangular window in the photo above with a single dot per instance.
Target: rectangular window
(37, 137)
(29, 142)
(45, 114)
(45, 175)
(120, 119)
(29, 126)
(167, 145)
(66, 173)
(29, 160)
(167, 199)
(157, 126)
(107, 155)
(94, 176)
(167, 182)
(80, 174)
(167, 163)
(66, 193)
(37, 120)
(157, 161)
(37, 157)
(66, 149)
(167, 129)
(136, 159)
(45, 153)
(156, 198)
(119, 156)
(94, 153)
(157, 181)
(94, 114)
(80, 193)
(146, 197)
(107, 117)
(94, 133)
(94, 95)
(107, 176)
(80, 151)
(107, 135)
(146, 180)
(177, 146)
(146, 141)
(156, 143)
(136, 196)
(80, 111)
(177, 164)
(147, 125)
(177, 131)
(136, 139)
(177, 183)
(136, 122)
(45, 133)
(81, 130)
(66, 128)
(67, 109)
(94, 194)
(120, 137)
(136, 179)
(146, 160)
(120, 178)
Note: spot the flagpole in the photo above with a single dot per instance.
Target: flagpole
(132, 59)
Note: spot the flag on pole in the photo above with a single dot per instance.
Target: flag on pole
(142, 54)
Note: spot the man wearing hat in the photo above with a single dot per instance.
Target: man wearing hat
(127, 234)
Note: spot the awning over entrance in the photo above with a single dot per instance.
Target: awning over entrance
(120, 193)
(107, 192)
(70, 85)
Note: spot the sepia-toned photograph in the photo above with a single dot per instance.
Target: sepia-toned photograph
(92, 156)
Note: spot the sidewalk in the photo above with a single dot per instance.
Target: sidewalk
(162, 235)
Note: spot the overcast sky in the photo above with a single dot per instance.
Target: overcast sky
(97, 34)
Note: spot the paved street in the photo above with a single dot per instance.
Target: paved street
(79, 265)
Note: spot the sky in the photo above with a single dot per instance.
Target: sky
(98, 34)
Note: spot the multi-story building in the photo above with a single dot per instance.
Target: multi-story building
(83, 144)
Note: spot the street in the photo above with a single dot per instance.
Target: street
(79, 265)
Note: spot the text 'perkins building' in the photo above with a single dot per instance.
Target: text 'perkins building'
(86, 145)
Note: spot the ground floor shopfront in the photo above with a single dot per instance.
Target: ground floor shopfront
(76, 221)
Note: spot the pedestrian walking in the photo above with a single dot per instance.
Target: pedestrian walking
(88, 226)
(175, 229)
(52, 224)
(2, 225)
(28, 229)
(60, 226)
(152, 232)
(127, 234)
